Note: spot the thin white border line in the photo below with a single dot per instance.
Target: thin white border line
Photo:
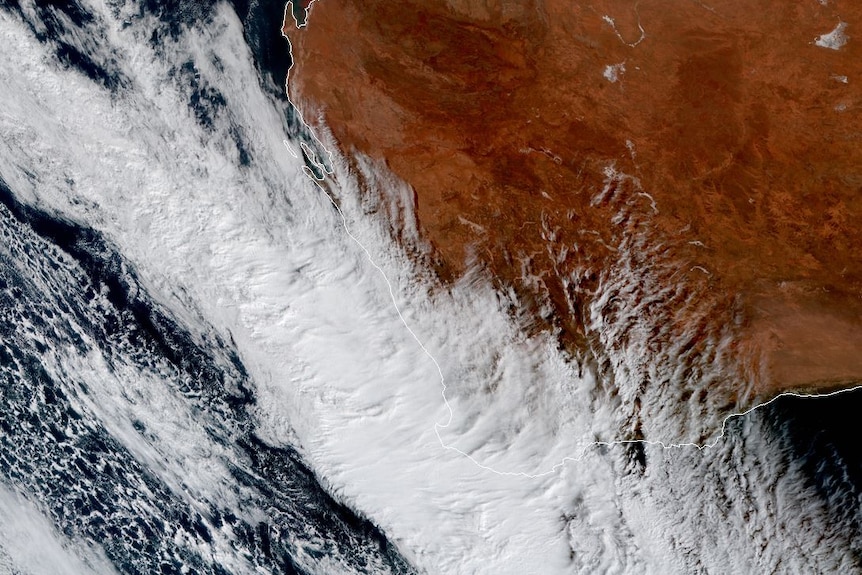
(586, 446)
(438, 426)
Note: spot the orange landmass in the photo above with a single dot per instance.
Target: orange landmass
(545, 137)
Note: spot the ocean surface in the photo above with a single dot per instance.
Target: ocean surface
(212, 363)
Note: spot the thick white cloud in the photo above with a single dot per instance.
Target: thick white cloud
(30, 544)
(259, 252)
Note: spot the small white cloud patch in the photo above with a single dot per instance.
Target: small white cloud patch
(613, 72)
(835, 39)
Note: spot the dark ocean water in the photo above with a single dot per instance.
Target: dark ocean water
(134, 432)
(821, 436)
(65, 290)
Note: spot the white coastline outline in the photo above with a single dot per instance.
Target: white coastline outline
(438, 426)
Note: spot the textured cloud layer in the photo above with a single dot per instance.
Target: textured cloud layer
(178, 158)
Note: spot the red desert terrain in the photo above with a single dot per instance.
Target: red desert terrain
(712, 146)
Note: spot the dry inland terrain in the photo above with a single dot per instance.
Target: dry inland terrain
(713, 145)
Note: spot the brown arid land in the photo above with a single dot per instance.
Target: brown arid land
(703, 157)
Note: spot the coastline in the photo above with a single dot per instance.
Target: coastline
(754, 398)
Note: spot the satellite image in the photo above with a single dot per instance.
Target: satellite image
(437, 287)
